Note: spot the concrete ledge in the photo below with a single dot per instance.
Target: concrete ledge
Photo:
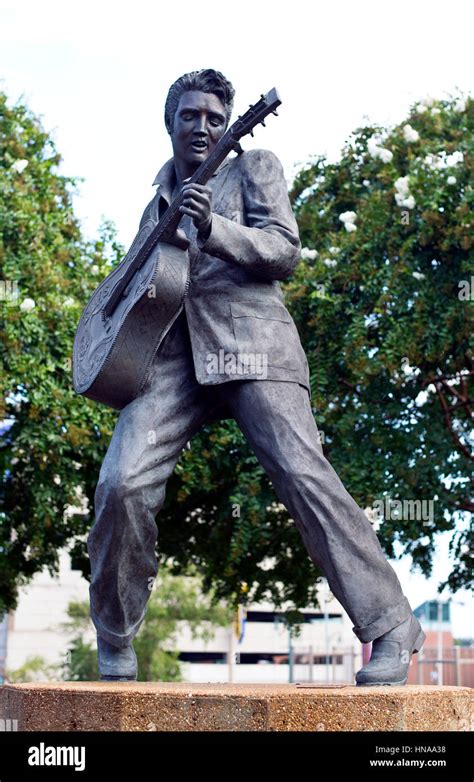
(180, 706)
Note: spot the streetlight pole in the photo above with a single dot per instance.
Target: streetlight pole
(326, 637)
(326, 599)
(456, 649)
(439, 664)
(290, 655)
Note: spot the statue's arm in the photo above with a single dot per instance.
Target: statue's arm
(270, 245)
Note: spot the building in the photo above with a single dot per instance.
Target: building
(441, 660)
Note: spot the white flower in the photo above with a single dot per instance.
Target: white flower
(402, 196)
(366, 182)
(407, 201)
(374, 517)
(308, 254)
(421, 108)
(428, 100)
(27, 305)
(454, 158)
(410, 134)
(377, 151)
(361, 287)
(69, 302)
(460, 105)
(418, 276)
(57, 479)
(443, 160)
(435, 110)
(430, 161)
(402, 185)
(385, 155)
(334, 249)
(434, 161)
(19, 166)
(330, 262)
(348, 217)
(451, 180)
(95, 269)
(373, 146)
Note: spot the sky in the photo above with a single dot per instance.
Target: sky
(97, 75)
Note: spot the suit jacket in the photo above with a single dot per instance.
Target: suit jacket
(238, 324)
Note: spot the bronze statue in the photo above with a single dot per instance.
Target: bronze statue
(233, 352)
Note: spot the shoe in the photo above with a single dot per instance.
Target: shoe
(391, 655)
(116, 664)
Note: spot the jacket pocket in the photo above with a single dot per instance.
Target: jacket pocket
(266, 329)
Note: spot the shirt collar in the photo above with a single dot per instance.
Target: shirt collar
(166, 176)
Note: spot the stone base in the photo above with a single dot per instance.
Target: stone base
(181, 706)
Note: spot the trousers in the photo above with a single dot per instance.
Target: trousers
(277, 421)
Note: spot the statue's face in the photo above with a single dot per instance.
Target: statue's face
(199, 123)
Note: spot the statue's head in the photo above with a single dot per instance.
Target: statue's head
(206, 80)
(197, 112)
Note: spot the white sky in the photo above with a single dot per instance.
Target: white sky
(97, 74)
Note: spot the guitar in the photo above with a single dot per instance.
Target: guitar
(133, 308)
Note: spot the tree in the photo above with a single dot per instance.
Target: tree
(52, 441)
(384, 304)
(34, 668)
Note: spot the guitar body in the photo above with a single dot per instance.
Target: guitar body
(112, 357)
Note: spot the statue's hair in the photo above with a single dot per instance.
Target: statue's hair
(205, 80)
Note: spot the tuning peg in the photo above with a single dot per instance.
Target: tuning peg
(262, 123)
(275, 113)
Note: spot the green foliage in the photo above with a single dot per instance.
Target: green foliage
(34, 669)
(386, 322)
(53, 441)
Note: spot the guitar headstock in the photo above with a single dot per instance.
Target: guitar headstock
(255, 114)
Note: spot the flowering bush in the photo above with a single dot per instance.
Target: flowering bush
(52, 440)
(383, 300)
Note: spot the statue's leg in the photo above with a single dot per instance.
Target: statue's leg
(149, 436)
(278, 423)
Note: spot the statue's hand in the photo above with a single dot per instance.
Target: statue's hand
(197, 202)
(180, 239)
